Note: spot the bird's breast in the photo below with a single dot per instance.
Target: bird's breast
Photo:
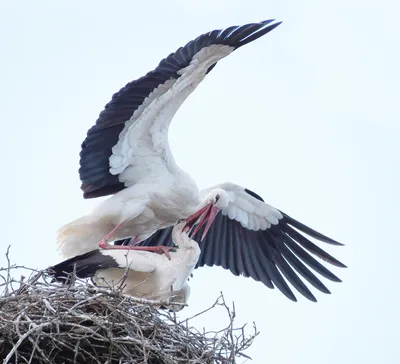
(178, 204)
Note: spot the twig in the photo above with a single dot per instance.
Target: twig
(22, 338)
(216, 303)
(42, 322)
(8, 280)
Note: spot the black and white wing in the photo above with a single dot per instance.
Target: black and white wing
(129, 141)
(256, 240)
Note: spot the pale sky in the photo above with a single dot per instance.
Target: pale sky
(307, 117)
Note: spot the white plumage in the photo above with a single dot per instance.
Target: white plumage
(153, 191)
(141, 274)
(252, 214)
(126, 154)
(154, 276)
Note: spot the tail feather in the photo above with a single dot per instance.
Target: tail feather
(81, 236)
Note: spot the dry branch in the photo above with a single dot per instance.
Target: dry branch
(44, 322)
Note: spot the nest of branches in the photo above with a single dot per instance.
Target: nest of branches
(44, 322)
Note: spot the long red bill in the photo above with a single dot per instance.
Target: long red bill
(194, 217)
(202, 219)
(206, 215)
(212, 213)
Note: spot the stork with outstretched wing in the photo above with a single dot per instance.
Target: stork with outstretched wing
(126, 154)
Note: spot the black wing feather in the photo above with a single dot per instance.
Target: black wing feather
(249, 261)
(302, 269)
(311, 247)
(305, 229)
(309, 260)
(286, 269)
(265, 255)
(237, 253)
(293, 278)
(85, 266)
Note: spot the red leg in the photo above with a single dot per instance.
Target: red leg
(103, 244)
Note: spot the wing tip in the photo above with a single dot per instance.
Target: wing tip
(274, 25)
(286, 292)
(268, 22)
(312, 299)
(325, 290)
(339, 264)
(334, 278)
(265, 28)
(309, 231)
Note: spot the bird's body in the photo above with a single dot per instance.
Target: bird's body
(140, 273)
(141, 209)
(126, 154)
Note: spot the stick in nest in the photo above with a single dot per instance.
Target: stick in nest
(43, 322)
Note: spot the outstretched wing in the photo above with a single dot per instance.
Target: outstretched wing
(129, 140)
(256, 240)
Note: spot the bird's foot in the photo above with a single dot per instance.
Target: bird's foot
(104, 245)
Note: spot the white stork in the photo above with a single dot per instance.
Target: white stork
(149, 275)
(126, 153)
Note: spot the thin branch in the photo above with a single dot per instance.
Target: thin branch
(22, 338)
(44, 322)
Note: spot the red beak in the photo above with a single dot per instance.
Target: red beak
(207, 215)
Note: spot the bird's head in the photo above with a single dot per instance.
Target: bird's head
(216, 200)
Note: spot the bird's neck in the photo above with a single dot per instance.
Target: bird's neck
(182, 239)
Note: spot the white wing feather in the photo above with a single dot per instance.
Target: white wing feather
(143, 151)
(253, 214)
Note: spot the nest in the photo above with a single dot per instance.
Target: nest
(45, 322)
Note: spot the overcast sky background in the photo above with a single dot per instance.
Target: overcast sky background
(307, 116)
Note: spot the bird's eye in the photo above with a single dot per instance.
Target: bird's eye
(216, 198)
(181, 220)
